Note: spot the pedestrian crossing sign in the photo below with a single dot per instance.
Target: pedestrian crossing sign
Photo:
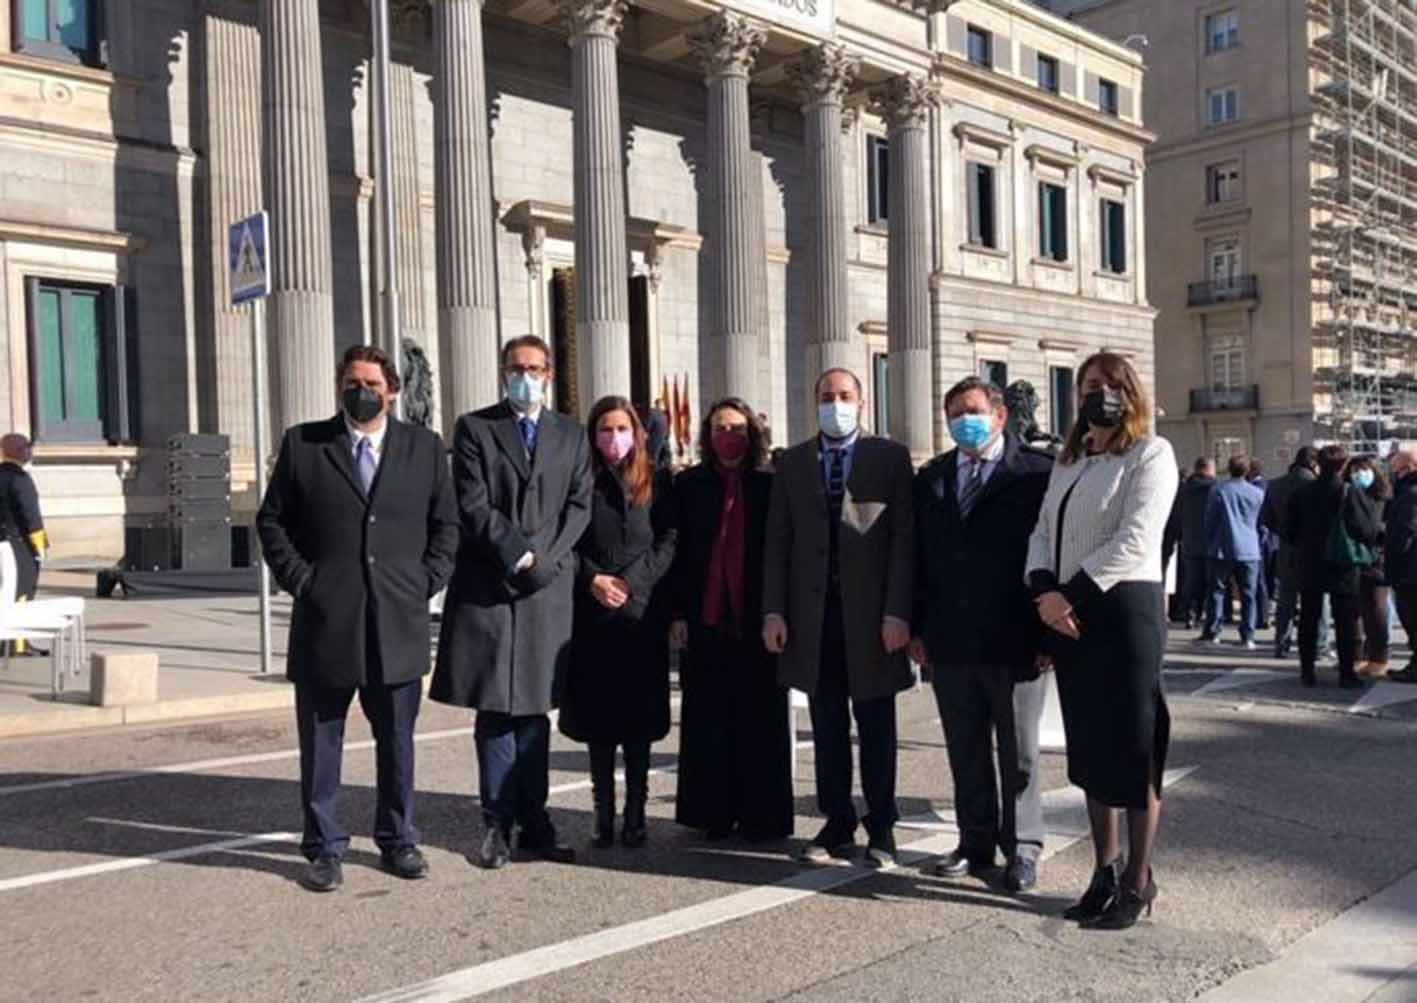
(249, 266)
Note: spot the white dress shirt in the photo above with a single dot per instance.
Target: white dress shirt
(376, 439)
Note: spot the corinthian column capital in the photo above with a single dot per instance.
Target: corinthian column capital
(824, 73)
(727, 44)
(906, 101)
(593, 17)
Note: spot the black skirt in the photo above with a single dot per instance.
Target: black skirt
(735, 748)
(1115, 717)
(616, 689)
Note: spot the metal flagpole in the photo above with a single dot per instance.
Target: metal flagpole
(384, 189)
(258, 386)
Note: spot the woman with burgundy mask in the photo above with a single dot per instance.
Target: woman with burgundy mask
(616, 690)
(735, 767)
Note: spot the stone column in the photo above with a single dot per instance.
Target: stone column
(905, 104)
(727, 44)
(602, 258)
(823, 75)
(467, 276)
(300, 311)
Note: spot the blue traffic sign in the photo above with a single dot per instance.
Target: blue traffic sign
(249, 267)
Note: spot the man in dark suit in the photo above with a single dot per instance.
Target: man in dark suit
(523, 482)
(1304, 470)
(358, 525)
(975, 507)
(838, 573)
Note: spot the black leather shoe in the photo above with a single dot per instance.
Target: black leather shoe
(494, 852)
(836, 839)
(549, 848)
(406, 862)
(1021, 874)
(1099, 895)
(959, 863)
(324, 874)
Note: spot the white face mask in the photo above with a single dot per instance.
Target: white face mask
(524, 391)
(838, 419)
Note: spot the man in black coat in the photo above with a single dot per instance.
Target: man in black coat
(1400, 551)
(976, 627)
(523, 482)
(1194, 499)
(358, 525)
(1310, 521)
(1304, 470)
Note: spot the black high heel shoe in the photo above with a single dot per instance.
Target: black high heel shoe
(1126, 908)
(1099, 894)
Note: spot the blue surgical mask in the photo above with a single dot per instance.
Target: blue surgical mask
(1363, 478)
(524, 391)
(838, 419)
(972, 431)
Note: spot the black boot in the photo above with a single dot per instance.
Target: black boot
(1099, 895)
(602, 787)
(636, 793)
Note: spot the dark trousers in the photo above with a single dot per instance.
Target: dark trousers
(320, 712)
(1373, 612)
(513, 763)
(1286, 604)
(1247, 574)
(1406, 602)
(1193, 588)
(1345, 626)
(832, 708)
(1264, 591)
(979, 707)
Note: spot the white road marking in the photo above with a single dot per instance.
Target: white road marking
(1240, 678)
(1067, 808)
(1381, 694)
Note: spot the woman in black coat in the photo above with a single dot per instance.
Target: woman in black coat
(616, 691)
(735, 749)
(1374, 636)
(1310, 523)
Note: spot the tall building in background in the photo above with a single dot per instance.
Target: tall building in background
(1284, 248)
(680, 196)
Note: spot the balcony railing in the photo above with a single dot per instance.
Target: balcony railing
(1228, 399)
(1238, 289)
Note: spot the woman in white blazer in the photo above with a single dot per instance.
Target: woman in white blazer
(1095, 570)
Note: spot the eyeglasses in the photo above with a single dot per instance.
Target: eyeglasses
(513, 369)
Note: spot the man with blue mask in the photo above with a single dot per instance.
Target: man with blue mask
(523, 480)
(975, 507)
(837, 580)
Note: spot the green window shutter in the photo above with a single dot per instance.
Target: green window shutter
(986, 207)
(975, 185)
(48, 362)
(74, 24)
(1045, 223)
(34, 20)
(85, 375)
(1119, 237)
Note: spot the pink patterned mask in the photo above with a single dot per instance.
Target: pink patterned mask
(615, 444)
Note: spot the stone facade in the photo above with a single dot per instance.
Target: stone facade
(126, 175)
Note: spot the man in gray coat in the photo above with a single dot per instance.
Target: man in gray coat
(522, 474)
(837, 593)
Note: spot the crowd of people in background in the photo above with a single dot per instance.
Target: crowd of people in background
(1332, 541)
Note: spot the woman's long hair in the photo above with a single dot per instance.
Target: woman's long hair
(638, 472)
(1122, 375)
(756, 455)
(1381, 488)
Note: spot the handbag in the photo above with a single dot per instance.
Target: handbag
(1341, 548)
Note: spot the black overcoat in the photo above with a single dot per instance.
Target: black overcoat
(19, 518)
(335, 550)
(699, 493)
(1309, 519)
(973, 608)
(617, 687)
(506, 636)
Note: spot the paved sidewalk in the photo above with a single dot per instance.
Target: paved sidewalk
(209, 661)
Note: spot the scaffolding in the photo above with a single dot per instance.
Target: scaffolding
(1363, 62)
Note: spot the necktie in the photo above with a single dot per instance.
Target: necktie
(836, 477)
(528, 428)
(972, 486)
(364, 463)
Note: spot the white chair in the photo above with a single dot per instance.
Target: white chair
(59, 621)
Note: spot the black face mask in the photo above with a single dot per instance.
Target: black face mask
(361, 404)
(1104, 408)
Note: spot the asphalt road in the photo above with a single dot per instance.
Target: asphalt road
(158, 865)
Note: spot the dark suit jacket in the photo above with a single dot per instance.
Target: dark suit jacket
(973, 608)
(1313, 511)
(1400, 548)
(19, 518)
(337, 552)
(506, 636)
(876, 551)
